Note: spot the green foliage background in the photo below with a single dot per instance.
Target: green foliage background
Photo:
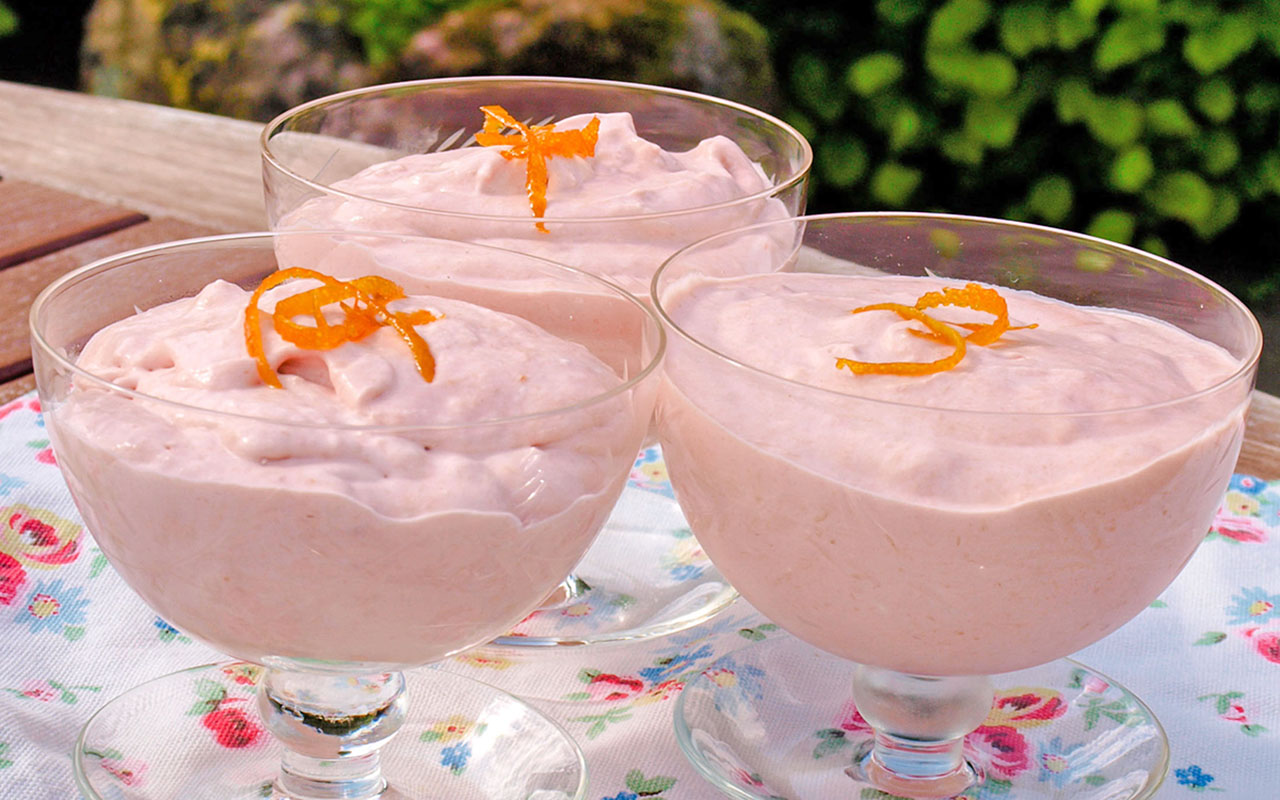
(1150, 122)
(8, 21)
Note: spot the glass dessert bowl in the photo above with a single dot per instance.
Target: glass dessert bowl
(1007, 451)
(427, 471)
(666, 168)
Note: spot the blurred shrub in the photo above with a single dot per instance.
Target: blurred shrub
(1151, 122)
(8, 21)
(386, 26)
(256, 58)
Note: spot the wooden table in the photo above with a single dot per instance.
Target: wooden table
(83, 177)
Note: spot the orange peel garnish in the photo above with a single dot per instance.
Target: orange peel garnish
(973, 295)
(365, 314)
(535, 144)
(946, 333)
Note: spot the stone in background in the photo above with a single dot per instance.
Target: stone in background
(256, 58)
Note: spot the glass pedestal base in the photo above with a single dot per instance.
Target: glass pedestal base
(196, 735)
(776, 720)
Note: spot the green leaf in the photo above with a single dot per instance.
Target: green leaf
(1156, 245)
(1094, 261)
(961, 148)
(1269, 171)
(893, 183)
(841, 159)
(1136, 6)
(1051, 198)
(1262, 98)
(1072, 99)
(983, 73)
(73, 633)
(1071, 28)
(1220, 152)
(1089, 9)
(1192, 13)
(955, 21)
(210, 690)
(826, 747)
(813, 86)
(1113, 224)
(946, 242)
(1131, 169)
(1213, 46)
(905, 128)
(1252, 730)
(1224, 212)
(1127, 40)
(991, 122)
(1095, 780)
(202, 707)
(1114, 121)
(874, 72)
(802, 123)
(899, 12)
(638, 783)
(98, 564)
(1181, 195)
(8, 20)
(1216, 99)
(1168, 117)
(577, 697)
(1026, 27)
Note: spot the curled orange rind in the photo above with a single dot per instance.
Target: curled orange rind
(365, 313)
(973, 295)
(535, 144)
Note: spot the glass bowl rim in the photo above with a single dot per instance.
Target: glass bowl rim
(277, 124)
(1246, 364)
(122, 259)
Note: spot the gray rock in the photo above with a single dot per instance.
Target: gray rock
(256, 58)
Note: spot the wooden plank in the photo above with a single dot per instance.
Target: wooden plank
(39, 220)
(23, 282)
(162, 161)
(16, 388)
(1260, 455)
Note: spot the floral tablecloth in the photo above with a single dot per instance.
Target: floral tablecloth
(1205, 657)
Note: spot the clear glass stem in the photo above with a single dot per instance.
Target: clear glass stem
(331, 727)
(920, 723)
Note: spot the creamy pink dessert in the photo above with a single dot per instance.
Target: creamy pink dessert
(984, 519)
(360, 513)
(703, 189)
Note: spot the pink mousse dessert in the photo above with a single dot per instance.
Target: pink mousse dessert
(982, 519)
(709, 188)
(359, 513)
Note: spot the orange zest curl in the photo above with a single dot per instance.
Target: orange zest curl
(366, 312)
(536, 144)
(974, 296)
(942, 330)
(979, 298)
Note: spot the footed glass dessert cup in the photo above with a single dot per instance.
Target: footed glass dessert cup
(401, 157)
(938, 541)
(365, 520)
